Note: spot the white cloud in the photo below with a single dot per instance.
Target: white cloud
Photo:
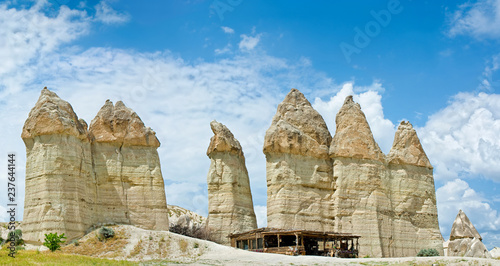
(107, 15)
(462, 139)
(248, 42)
(480, 19)
(3, 213)
(261, 214)
(225, 50)
(456, 195)
(227, 30)
(370, 101)
(486, 80)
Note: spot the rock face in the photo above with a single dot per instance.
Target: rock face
(127, 169)
(230, 205)
(300, 182)
(72, 184)
(362, 199)
(346, 183)
(413, 199)
(495, 252)
(465, 241)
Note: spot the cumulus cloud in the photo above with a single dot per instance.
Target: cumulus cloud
(462, 139)
(107, 15)
(227, 30)
(370, 100)
(457, 195)
(480, 19)
(248, 42)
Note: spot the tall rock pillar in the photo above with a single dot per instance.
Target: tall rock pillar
(300, 182)
(415, 221)
(130, 188)
(230, 205)
(362, 198)
(59, 180)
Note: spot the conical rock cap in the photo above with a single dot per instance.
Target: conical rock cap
(463, 228)
(297, 129)
(223, 140)
(406, 148)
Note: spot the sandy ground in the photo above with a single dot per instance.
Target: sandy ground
(164, 248)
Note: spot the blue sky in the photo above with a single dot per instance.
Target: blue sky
(181, 64)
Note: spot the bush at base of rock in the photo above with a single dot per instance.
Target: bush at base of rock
(54, 241)
(428, 253)
(105, 233)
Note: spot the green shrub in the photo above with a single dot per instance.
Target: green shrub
(428, 253)
(196, 245)
(105, 233)
(53, 241)
(17, 235)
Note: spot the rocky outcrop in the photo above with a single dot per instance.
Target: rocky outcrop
(74, 181)
(495, 252)
(414, 218)
(362, 199)
(230, 205)
(127, 169)
(180, 216)
(465, 241)
(300, 182)
(59, 194)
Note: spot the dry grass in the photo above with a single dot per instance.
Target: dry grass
(183, 245)
(137, 249)
(109, 248)
(32, 257)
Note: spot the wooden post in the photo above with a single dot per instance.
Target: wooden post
(278, 241)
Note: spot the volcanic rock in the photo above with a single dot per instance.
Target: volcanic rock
(230, 205)
(300, 181)
(465, 241)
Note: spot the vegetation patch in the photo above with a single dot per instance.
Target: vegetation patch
(93, 246)
(32, 257)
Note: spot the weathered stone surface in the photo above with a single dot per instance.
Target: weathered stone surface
(127, 169)
(230, 205)
(353, 136)
(463, 228)
(406, 148)
(73, 183)
(390, 202)
(300, 182)
(59, 195)
(362, 199)
(465, 241)
(415, 220)
(297, 129)
(180, 216)
(495, 252)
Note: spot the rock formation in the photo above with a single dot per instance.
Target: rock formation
(127, 169)
(465, 241)
(415, 221)
(230, 205)
(495, 252)
(347, 184)
(362, 199)
(76, 179)
(300, 182)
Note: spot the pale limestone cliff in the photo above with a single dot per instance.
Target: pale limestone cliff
(70, 187)
(59, 193)
(465, 240)
(127, 169)
(300, 182)
(230, 205)
(413, 199)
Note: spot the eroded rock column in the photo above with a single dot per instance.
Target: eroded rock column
(413, 196)
(300, 182)
(362, 199)
(230, 205)
(59, 181)
(129, 183)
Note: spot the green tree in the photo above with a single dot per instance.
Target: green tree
(53, 241)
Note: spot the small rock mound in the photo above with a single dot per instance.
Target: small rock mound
(465, 240)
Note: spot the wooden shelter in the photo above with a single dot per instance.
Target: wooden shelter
(293, 242)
